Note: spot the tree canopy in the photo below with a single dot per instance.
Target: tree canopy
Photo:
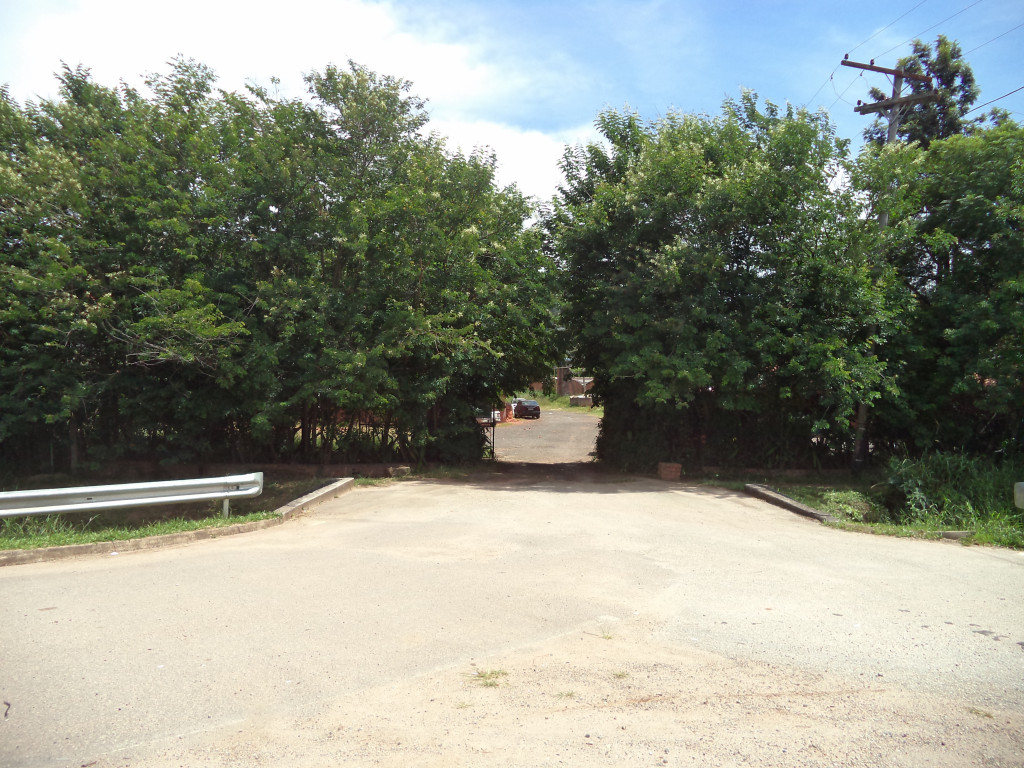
(955, 92)
(957, 248)
(194, 274)
(718, 286)
(731, 293)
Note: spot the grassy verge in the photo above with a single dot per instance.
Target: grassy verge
(870, 507)
(118, 525)
(919, 498)
(58, 530)
(850, 501)
(561, 403)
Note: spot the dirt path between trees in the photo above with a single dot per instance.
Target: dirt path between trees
(557, 437)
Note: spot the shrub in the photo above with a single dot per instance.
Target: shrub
(953, 490)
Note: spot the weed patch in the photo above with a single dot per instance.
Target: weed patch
(488, 678)
(953, 490)
(859, 505)
(925, 497)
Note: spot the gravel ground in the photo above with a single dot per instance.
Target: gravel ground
(557, 437)
(530, 617)
(716, 631)
(614, 694)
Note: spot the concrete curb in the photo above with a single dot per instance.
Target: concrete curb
(284, 513)
(772, 497)
(337, 488)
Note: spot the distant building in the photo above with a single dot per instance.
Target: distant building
(567, 384)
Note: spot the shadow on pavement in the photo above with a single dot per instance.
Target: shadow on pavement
(573, 477)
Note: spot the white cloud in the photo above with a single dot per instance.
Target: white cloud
(526, 158)
(254, 41)
(127, 39)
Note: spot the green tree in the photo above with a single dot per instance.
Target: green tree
(718, 287)
(237, 276)
(164, 352)
(50, 310)
(955, 94)
(956, 245)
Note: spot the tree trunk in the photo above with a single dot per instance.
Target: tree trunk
(74, 443)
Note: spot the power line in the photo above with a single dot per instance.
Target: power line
(933, 26)
(819, 88)
(994, 39)
(839, 96)
(994, 100)
(885, 27)
(858, 45)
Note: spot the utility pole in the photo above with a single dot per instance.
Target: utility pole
(892, 108)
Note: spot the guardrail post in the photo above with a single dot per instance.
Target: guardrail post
(227, 507)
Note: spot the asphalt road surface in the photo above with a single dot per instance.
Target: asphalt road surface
(557, 437)
(518, 620)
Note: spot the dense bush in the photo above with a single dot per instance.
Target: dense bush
(720, 288)
(198, 275)
(951, 490)
(730, 289)
(957, 244)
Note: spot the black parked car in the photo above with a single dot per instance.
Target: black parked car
(525, 409)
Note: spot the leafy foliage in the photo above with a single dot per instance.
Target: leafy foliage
(955, 93)
(718, 287)
(956, 244)
(237, 276)
(952, 490)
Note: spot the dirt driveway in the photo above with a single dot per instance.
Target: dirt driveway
(514, 620)
(557, 437)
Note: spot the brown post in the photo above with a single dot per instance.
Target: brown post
(891, 108)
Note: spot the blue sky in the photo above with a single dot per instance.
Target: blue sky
(528, 77)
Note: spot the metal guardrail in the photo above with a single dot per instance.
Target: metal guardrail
(97, 497)
(1018, 495)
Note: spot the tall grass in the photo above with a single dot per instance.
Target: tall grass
(31, 532)
(954, 491)
(924, 497)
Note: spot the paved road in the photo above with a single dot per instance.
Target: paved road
(557, 437)
(240, 651)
